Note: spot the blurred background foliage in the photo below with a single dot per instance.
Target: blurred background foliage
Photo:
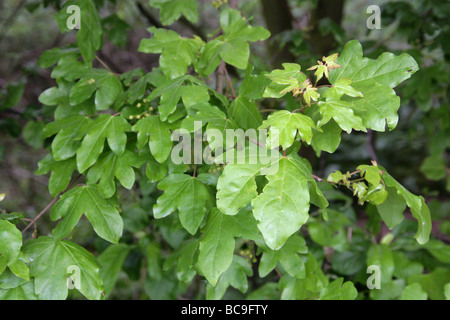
(416, 153)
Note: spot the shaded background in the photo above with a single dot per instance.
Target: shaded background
(416, 153)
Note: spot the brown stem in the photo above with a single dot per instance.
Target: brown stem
(371, 145)
(229, 83)
(33, 221)
(41, 213)
(220, 73)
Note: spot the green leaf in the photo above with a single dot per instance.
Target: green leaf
(177, 53)
(404, 267)
(10, 241)
(245, 113)
(282, 208)
(217, 245)
(235, 276)
(157, 133)
(20, 269)
(337, 290)
(90, 34)
(9, 280)
(329, 139)
(214, 118)
(391, 210)
(50, 57)
(183, 259)
(61, 173)
(381, 255)
(116, 29)
(439, 250)
(317, 197)
(69, 132)
(307, 288)
(374, 79)
(447, 291)
(417, 205)
(341, 87)
(236, 187)
(111, 261)
(342, 114)
(288, 256)
(13, 95)
(32, 133)
(51, 262)
(22, 292)
(171, 10)
(253, 86)
(108, 127)
(330, 233)
(109, 166)
(434, 167)
(414, 292)
(283, 81)
(233, 45)
(432, 283)
(103, 216)
(284, 126)
(187, 195)
(107, 88)
(171, 91)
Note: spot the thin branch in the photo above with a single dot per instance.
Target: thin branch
(33, 221)
(268, 110)
(371, 145)
(317, 178)
(220, 73)
(105, 66)
(229, 83)
(151, 19)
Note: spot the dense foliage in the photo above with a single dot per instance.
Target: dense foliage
(279, 229)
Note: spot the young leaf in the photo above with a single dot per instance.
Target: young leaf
(288, 80)
(374, 79)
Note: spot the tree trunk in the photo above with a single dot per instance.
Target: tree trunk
(278, 17)
(331, 9)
